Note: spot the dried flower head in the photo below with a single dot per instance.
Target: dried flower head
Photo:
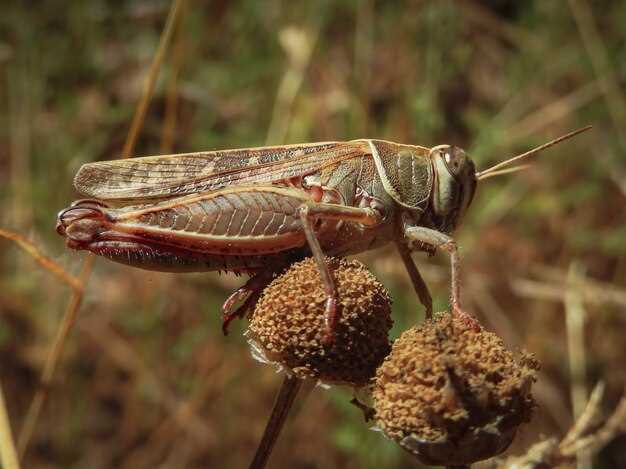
(451, 393)
(287, 327)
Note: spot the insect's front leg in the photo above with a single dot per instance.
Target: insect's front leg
(310, 212)
(440, 241)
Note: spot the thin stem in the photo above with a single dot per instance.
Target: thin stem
(171, 100)
(142, 108)
(8, 453)
(52, 359)
(282, 405)
(575, 325)
(43, 260)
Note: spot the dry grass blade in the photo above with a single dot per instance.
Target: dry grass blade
(171, 100)
(614, 425)
(69, 318)
(142, 108)
(581, 437)
(298, 45)
(42, 259)
(52, 359)
(586, 417)
(583, 15)
(597, 293)
(8, 453)
(575, 324)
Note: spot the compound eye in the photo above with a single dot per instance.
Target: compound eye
(454, 159)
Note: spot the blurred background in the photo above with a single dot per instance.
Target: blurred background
(146, 378)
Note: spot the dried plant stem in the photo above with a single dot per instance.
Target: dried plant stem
(581, 438)
(362, 69)
(298, 45)
(159, 56)
(8, 454)
(42, 259)
(575, 324)
(171, 99)
(69, 318)
(586, 417)
(284, 400)
(52, 359)
(602, 67)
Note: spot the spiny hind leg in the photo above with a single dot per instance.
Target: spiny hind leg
(311, 212)
(249, 293)
(416, 278)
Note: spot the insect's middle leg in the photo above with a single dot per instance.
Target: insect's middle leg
(308, 213)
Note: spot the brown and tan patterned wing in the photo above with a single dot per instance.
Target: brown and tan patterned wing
(172, 175)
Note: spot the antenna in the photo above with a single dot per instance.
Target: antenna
(489, 172)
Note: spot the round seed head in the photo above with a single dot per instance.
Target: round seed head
(288, 325)
(451, 393)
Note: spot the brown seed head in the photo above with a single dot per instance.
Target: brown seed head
(453, 394)
(288, 326)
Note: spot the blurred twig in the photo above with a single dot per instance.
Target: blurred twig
(157, 61)
(77, 285)
(363, 46)
(298, 44)
(42, 259)
(553, 286)
(583, 15)
(581, 437)
(171, 100)
(8, 453)
(575, 323)
(52, 358)
(586, 416)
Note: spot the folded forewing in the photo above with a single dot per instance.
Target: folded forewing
(170, 175)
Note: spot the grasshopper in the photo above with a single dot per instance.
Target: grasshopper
(256, 210)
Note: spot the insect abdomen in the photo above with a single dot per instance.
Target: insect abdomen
(239, 221)
(235, 214)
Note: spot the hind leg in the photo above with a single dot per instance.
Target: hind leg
(309, 213)
(249, 293)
